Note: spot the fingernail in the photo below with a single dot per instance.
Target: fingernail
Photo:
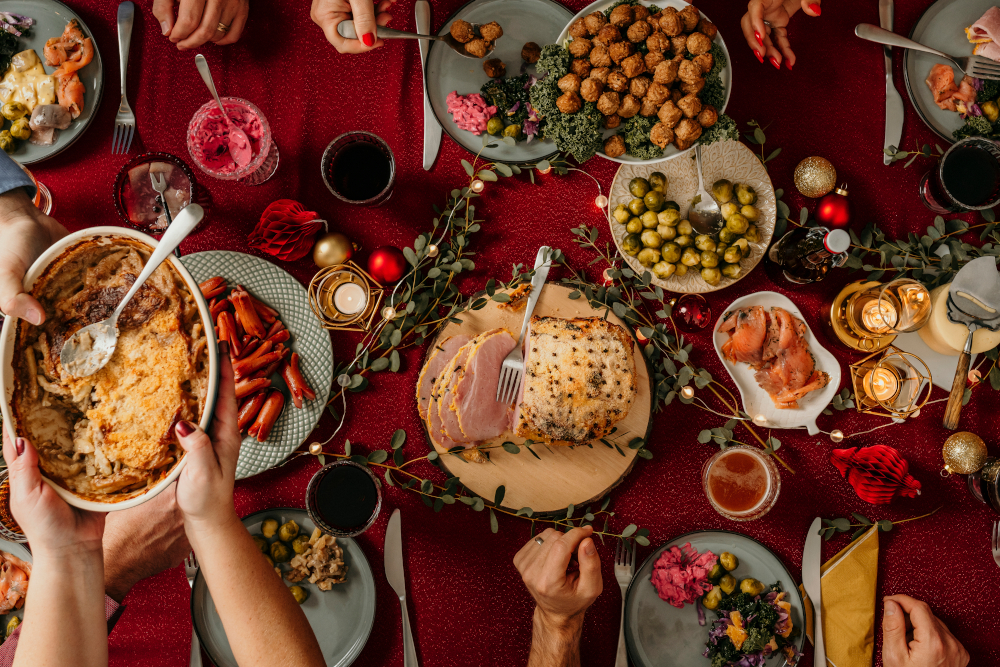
(890, 608)
(165, 27)
(774, 61)
(759, 57)
(19, 446)
(589, 549)
(368, 39)
(815, 7)
(224, 348)
(759, 40)
(185, 428)
(34, 316)
(788, 64)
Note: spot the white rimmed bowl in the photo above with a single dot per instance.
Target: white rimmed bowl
(8, 335)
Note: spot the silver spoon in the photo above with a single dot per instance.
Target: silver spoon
(239, 144)
(89, 349)
(704, 215)
(346, 30)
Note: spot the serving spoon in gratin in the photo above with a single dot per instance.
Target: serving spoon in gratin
(89, 349)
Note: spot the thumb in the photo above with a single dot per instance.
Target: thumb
(363, 13)
(894, 648)
(591, 582)
(13, 300)
(163, 10)
(22, 464)
(811, 7)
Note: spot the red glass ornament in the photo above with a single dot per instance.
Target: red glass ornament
(387, 264)
(692, 313)
(877, 473)
(834, 211)
(286, 230)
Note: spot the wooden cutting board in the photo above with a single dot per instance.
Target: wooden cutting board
(560, 476)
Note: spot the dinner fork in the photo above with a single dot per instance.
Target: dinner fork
(159, 182)
(624, 569)
(977, 66)
(125, 120)
(191, 571)
(995, 543)
(512, 371)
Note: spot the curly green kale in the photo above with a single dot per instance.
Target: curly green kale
(757, 638)
(635, 133)
(555, 61)
(719, 60)
(580, 134)
(723, 130)
(975, 126)
(990, 90)
(505, 93)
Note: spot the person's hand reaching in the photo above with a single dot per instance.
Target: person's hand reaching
(932, 645)
(765, 28)
(25, 232)
(328, 14)
(199, 21)
(562, 596)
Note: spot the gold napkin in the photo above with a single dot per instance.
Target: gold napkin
(848, 583)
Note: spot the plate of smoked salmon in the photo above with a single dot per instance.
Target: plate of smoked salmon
(782, 372)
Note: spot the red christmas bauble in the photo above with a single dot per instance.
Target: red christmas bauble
(877, 473)
(834, 211)
(387, 264)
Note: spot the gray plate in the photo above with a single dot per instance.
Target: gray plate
(522, 21)
(312, 342)
(659, 635)
(341, 618)
(51, 18)
(941, 27)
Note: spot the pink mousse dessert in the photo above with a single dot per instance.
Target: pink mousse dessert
(208, 138)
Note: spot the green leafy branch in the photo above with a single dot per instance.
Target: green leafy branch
(842, 401)
(925, 151)
(833, 526)
(758, 138)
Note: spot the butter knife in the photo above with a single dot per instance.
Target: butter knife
(812, 557)
(893, 102)
(397, 579)
(432, 130)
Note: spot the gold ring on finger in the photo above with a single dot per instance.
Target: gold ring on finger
(223, 28)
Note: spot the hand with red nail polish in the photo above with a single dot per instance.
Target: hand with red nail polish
(774, 61)
(766, 25)
(366, 14)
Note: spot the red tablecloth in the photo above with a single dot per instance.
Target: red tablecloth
(467, 603)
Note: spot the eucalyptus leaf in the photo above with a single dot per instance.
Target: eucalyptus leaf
(494, 525)
(629, 529)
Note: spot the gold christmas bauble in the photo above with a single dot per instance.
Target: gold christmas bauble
(815, 176)
(964, 453)
(331, 249)
(315, 449)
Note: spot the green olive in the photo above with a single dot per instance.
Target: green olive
(709, 259)
(269, 528)
(684, 240)
(663, 270)
(669, 217)
(753, 234)
(746, 194)
(666, 233)
(638, 186)
(684, 227)
(682, 270)
(634, 226)
(690, 257)
(7, 142)
(712, 599)
(513, 131)
(658, 181)
(728, 584)
(737, 224)
(670, 203)
(632, 244)
(11, 626)
(649, 220)
(300, 544)
(494, 126)
(651, 239)
(671, 253)
(732, 270)
(648, 256)
(654, 200)
(751, 213)
(637, 206)
(727, 236)
(13, 110)
(261, 543)
(20, 129)
(751, 586)
(729, 561)
(712, 276)
(732, 255)
(280, 552)
(728, 209)
(298, 593)
(288, 531)
(722, 190)
(704, 242)
(621, 214)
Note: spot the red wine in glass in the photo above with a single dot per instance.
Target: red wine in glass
(359, 168)
(966, 178)
(344, 499)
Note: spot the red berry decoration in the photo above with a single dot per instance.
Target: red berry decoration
(834, 211)
(387, 264)
(286, 230)
(876, 473)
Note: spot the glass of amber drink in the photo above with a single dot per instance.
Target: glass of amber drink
(741, 482)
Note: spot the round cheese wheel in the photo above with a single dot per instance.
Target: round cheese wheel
(945, 337)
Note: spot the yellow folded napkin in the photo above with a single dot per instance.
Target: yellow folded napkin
(848, 583)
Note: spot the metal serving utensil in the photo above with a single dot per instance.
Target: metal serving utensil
(346, 30)
(705, 215)
(977, 66)
(512, 369)
(89, 349)
(239, 144)
(159, 182)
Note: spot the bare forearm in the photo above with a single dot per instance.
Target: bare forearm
(555, 644)
(260, 616)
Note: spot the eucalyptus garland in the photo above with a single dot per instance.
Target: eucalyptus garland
(862, 524)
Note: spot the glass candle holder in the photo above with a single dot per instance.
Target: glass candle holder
(359, 168)
(891, 383)
(344, 499)
(345, 297)
(207, 144)
(741, 483)
(896, 307)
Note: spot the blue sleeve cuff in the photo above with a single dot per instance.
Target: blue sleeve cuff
(13, 176)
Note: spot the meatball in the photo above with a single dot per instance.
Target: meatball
(462, 31)
(705, 61)
(599, 56)
(590, 89)
(679, 45)
(530, 53)
(658, 93)
(612, 121)
(608, 35)
(686, 133)
(629, 106)
(666, 72)
(491, 31)
(477, 47)
(594, 22)
(569, 83)
(670, 23)
(608, 103)
(639, 31)
(620, 51)
(648, 107)
(657, 43)
(640, 12)
(708, 116)
(654, 20)
(688, 71)
(494, 68)
(569, 103)
(707, 28)
(580, 66)
(693, 88)
(676, 95)
(652, 59)
(618, 82)
(634, 65)
(661, 135)
(698, 43)
(614, 146)
(600, 74)
(669, 114)
(690, 16)
(622, 15)
(577, 29)
(638, 86)
(690, 106)
(580, 47)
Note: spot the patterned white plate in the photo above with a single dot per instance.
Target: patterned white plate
(285, 294)
(725, 159)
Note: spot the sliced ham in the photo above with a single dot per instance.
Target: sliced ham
(480, 416)
(988, 50)
(987, 28)
(441, 354)
(434, 428)
(443, 391)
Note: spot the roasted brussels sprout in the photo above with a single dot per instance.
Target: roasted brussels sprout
(716, 572)
(621, 214)
(666, 233)
(634, 226)
(728, 209)
(746, 194)
(722, 190)
(670, 203)
(494, 126)
(743, 245)
(728, 584)
(690, 257)
(709, 259)
(680, 269)
(651, 239)
(654, 200)
(737, 224)
(671, 253)
(991, 111)
(261, 543)
(288, 531)
(7, 142)
(638, 186)
(752, 234)
(732, 255)
(712, 276)
(712, 598)
(658, 181)
(649, 220)
(20, 129)
(513, 131)
(684, 240)
(732, 270)
(721, 248)
(704, 242)
(648, 256)
(729, 561)
(298, 593)
(726, 236)
(663, 270)
(684, 227)
(751, 586)
(13, 110)
(300, 544)
(669, 217)
(751, 213)
(632, 244)
(280, 552)
(11, 626)
(637, 206)
(269, 528)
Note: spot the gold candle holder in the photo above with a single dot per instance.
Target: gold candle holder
(891, 383)
(344, 297)
(867, 316)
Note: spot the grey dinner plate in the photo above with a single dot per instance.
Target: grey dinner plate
(660, 635)
(941, 27)
(523, 21)
(342, 618)
(51, 18)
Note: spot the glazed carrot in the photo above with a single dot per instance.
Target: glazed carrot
(246, 315)
(250, 408)
(213, 287)
(248, 386)
(296, 383)
(268, 415)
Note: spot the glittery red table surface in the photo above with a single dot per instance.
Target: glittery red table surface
(467, 603)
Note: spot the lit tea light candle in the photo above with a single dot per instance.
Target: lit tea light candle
(878, 317)
(350, 299)
(881, 384)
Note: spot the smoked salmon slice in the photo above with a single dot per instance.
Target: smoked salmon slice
(747, 330)
(947, 95)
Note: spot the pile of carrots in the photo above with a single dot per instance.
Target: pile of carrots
(256, 340)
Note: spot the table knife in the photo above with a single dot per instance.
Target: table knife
(432, 130)
(397, 579)
(812, 558)
(893, 102)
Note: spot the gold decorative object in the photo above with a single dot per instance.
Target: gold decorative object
(332, 249)
(964, 453)
(867, 316)
(315, 449)
(687, 392)
(345, 297)
(815, 177)
(891, 383)
(837, 435)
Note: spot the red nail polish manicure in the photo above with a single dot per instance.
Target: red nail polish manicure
(759, 57)
(759, 40)
(815, 7)
(19, 446)
(788, 64)
(224, 348)
(774, 61)
(368, 39)
(185, 428)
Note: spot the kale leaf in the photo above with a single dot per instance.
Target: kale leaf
(723, 130)
(555, 61)
(635, 133)
(8, 47)
(990, 91)
(505, 93)
(975, 126)
(580, 134)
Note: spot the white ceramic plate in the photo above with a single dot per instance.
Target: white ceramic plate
(726, 74)
(522, 21)
(51, 18)
(312, 342)
(724, 159)
(8, 335)
(341, 618)
(660, 635)
(755, 400)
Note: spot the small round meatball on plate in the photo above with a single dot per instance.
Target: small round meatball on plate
(707, 28)
(629, 106)
(608, 103)
(608, 35)
(690, 106)
(620, 51)
(579, 47)
(708, 116)
(634, 65)
(569, 83)
(648, 107)
(690, 16)
(679, 45)
(614, 146)
(581, 66)
(476, 47)
(640, 12)
(669, 114)
(618, 82)
(688, 71)
(599, 56)
(698, 44)
(652, 59)
(462, 31)
(670, 23)
(590, 89)
(600, 74)
(491, 31)
(622, 16)
(661, 135)
(705, 61)
(531, 52)
(693, 88)
(569, 103)
(639, 31)
(654, 20)
(594, 22)
(666, 72)
(658, 93)
(657, 42)
(612, 121)
(638, 86)
(686, 133)
(578, 29)
(494, 68)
